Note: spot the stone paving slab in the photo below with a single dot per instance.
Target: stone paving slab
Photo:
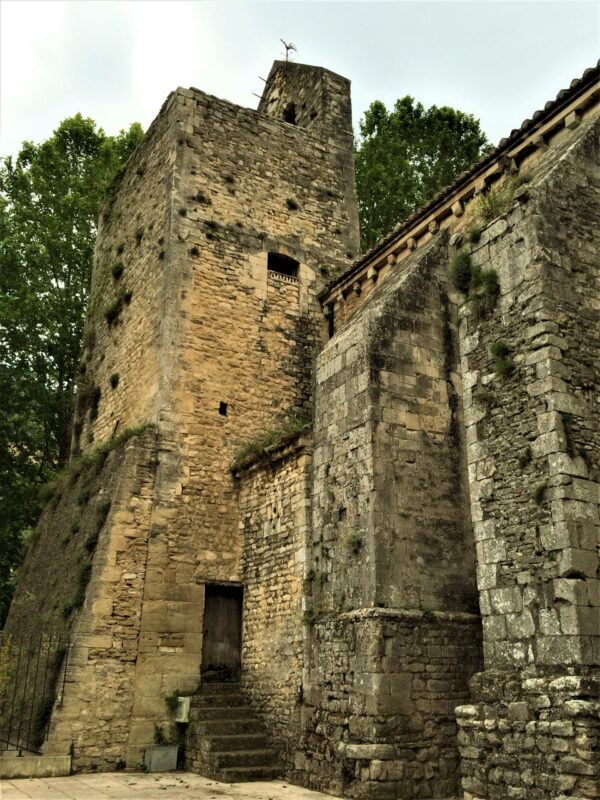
(155, 786)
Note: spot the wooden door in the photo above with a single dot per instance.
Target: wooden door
(222, 628)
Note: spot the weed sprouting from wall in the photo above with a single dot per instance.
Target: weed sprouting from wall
(259, 446)
(309, 618)
(504, 363)
(460, 271)
(112, 314)
(499, 199)
(525, 457)
(172, 701)
(292, 204)
(95, 398)
(474, 233)
(481, 286)
(89, 464)
(354, 542)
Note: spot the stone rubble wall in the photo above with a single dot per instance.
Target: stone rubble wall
(274, 503)
(531, 736)
(379, 717)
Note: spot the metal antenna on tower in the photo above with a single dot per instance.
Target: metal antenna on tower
(288, 48)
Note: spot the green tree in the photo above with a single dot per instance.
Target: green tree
(405, 156)
(50, 199)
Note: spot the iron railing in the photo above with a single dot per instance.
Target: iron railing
(32, 677)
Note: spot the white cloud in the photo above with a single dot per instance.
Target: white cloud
(116, 60)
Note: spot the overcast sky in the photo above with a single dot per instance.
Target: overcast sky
(116, 60)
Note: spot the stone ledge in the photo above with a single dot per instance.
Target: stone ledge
(35, 766)
(288, 446)
(410, 615)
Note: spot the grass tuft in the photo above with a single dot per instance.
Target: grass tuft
(258, 447)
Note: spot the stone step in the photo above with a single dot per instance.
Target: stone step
(203, 713)
(212, 687)
(245, 774)
(231, 742)
(227, 727)
(242, 758)
(221, 700)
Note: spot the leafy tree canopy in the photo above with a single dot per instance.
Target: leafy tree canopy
(406, 155)
(50, 199)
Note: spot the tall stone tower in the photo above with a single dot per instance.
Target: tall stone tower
(204, 323)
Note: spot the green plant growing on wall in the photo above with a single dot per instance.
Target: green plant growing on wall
(484, 288)
(481, 286)
(160, 738)
(483, 396)
(6, 665)
(309, 618)
(460, 271)
(114, 380)
(172, 701)
(292, 204)
(501, 352)
(257, 447)
(525, 457)
(567, 421)
(499, 199)
(429, 615)
(474, 233)
(112, 313)
(354, 542)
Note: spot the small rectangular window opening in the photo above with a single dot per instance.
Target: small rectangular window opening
(283, 265)
(330, 324)
(223, 409)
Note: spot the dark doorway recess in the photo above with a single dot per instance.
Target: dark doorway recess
(222, 628)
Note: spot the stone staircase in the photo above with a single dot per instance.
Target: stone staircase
(225, 740)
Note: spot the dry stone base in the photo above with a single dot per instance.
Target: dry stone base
(531, 736)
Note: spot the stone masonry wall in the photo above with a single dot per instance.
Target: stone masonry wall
(274, 503)
(84, 579)
(237, 349)
(532, 433)
(119, 370)
(533, 463)
(389, 521)
(379, 719)
(392, 608)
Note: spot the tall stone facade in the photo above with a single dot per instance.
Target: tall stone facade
(419, 565)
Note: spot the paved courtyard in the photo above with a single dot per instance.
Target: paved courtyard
(140, 786)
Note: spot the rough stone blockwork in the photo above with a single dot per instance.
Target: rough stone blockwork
(533, 444)
(389, 531)
(379, 715)
(274, 502)
(91, 556)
